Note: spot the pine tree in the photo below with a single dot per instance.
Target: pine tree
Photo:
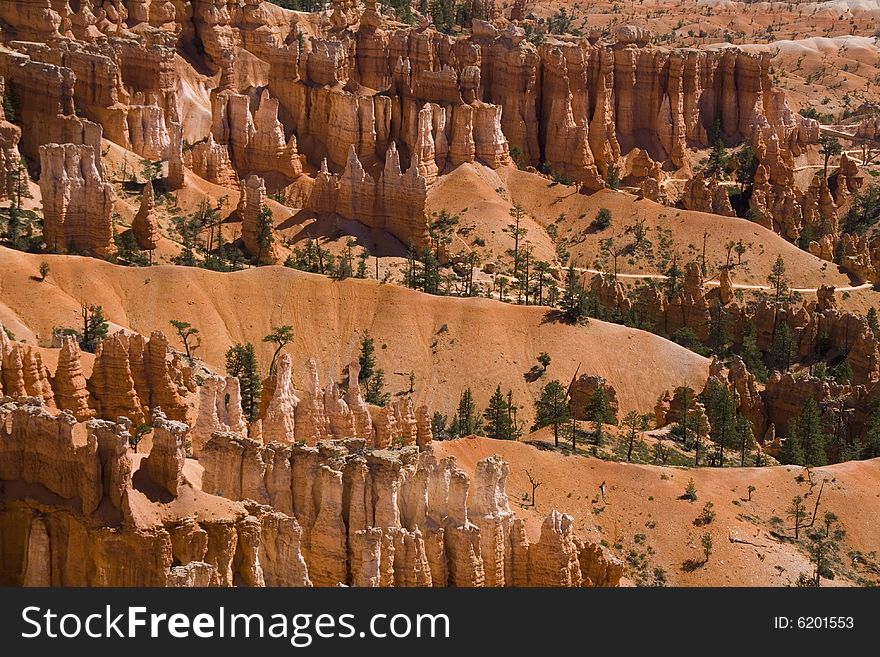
(792, 452)
(812, 434)
(574, 306)
(746, 167)
(828, 146)
(873, 323)
(551, 409)
(745, 438)
(872, 434)
(798, 513)
(721, 412)
(265, 236)
(599, 411)
(366, 359)
(241, 363)
(186, 332)
(468, 422)
(717, 160)
(374, 390)
(599, 408)
(751, 355)
(498, 421)
(438, 426)
(281, 336)
(782, 350)
(95, 327)
(633, 423)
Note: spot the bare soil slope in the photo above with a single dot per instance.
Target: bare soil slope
(572, 213)
(646, 523)
(449, 343)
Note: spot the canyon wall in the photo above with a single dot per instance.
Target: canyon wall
(82, 509)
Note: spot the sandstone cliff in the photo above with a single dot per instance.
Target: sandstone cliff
(77, 201)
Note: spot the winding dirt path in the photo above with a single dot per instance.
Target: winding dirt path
(736, 286)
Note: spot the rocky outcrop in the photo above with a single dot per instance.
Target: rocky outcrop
(176, 175)
(743, 388)
(211, 161)
(219, 410)
(255, 142)
(82, 531)
(424, 430)
(311, 423)
(339, 415)
(111, 384)
(582, 392)
(22, 373)
(56, 452)
(239, 468)
(278, 422)
(44, 102)
(395, 202)
(553, 560)
(144, 225)
(400, 517)
(164, 464)
(69, 383)
(77, 201)
(363, 423)
(132, 375)
(785, 396)
(11, 169)
(706, 196)
(256, 235)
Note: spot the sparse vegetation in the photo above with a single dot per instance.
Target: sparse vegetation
(186, 333)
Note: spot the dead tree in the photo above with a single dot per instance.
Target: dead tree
(535, 484)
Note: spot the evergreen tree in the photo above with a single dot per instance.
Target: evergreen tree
(792, 452)
(777, 279)
(612, 178)
(374, 390)
(798, 514)
(674, 275)
(599, 412)
(873, 323)
(634, 423)
(599, 408)
(746, 167)
(440, 230)
(186, 332)
(805, 444)
(95, 327)
(751, 355)
(443, 15)
(438, 426)
(745, 438)
(721, 412)
(551, 409)
(281, 336)
(498, 421)
(828, 146)
(574, 302)
(468, 422)
(872, 434)
(265, 236)
(782, 350)
(717, 162)
(864, 210)
(366, 359)
(517, 232)
(241, 363)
